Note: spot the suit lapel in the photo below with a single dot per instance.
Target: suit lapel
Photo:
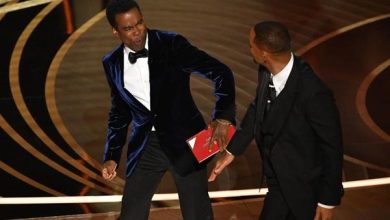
(155, 72)
(263, 80)
(281, 107)
(118, 78)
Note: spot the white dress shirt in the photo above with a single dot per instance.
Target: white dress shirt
(136, 77)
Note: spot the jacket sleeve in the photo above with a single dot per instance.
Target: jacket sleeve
(324, 119)
(244, 133)
(192, 60)
(118, 123)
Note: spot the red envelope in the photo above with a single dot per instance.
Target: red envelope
(199, 143)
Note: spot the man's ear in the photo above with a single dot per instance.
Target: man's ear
(265, 56)
(114, 31)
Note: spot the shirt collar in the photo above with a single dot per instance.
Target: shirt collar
(280, 78)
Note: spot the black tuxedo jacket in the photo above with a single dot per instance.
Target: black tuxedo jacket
(301, 136)
(173, 112)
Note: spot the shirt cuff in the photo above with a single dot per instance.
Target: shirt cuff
(326, 206)
(229, 152)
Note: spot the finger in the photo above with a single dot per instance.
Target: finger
(214, 174)
(318, 216)
(104, 173)
(212, 177)
(222, 144)
(217, 138)
(211, 141)
(210, 145)
(219, 167)
(327, 215)
(107, 176)
(108, 173)
(114, 168)
(219, 141)
(112, 176)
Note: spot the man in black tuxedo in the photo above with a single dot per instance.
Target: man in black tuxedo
(149, 75)
(295, 123)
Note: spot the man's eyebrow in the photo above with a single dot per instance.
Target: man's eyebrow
(128, 26)
(140, 21)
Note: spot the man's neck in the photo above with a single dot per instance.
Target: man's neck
(278, 62)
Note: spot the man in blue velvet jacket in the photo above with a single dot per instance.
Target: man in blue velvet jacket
(149, 77)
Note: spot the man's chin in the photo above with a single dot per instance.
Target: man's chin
(138, 47)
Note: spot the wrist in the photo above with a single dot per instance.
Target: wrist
(223, 122)
(228, 152)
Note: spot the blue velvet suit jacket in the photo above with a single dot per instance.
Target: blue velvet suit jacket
(173, 112)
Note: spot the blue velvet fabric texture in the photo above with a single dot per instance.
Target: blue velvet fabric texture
(173, 112)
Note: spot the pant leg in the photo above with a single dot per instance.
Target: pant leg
(275, 207)
(195, 202)
(143, 182)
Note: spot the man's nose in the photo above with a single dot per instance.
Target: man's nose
(136, 31)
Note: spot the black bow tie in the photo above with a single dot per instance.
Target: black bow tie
(134, 56)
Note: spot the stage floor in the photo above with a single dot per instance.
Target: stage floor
(372, 203)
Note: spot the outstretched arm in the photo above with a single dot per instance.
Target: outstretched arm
(239, 142)
(192, 60)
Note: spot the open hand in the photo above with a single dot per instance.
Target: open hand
(323, 213)
(221, 163)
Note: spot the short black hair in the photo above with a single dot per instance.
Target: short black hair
(273, 36)
(115, 7)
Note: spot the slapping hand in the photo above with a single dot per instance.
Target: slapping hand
(221, 163)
